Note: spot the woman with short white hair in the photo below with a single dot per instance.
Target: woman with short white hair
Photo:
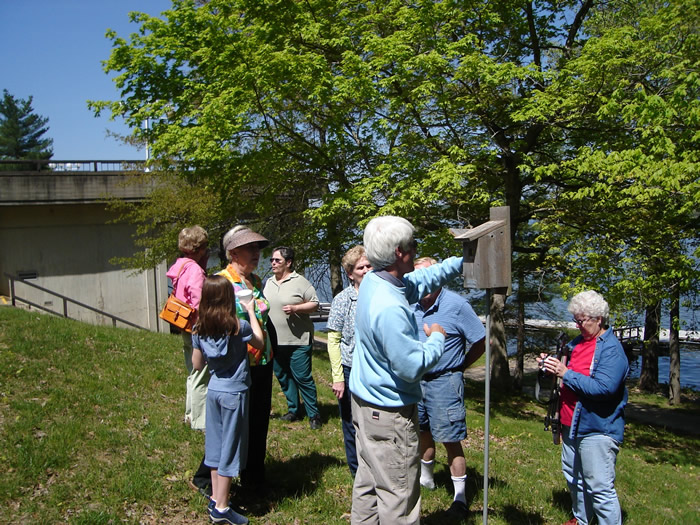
(592, 404)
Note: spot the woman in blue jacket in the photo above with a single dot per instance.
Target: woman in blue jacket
(593, 399)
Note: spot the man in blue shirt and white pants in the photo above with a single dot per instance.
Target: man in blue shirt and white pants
(441, 412)
(388, 363)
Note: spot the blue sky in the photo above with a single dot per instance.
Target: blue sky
(52, 50)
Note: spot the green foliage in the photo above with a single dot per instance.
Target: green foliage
(173, 203)
(626, 207)
(22, 130)
(310, 118)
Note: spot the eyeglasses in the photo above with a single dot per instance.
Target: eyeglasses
(579, 322)
(276, 260)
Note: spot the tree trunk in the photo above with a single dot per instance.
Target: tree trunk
(336, 273)
(674, 353)
(649, 378)
(335, 255)
(519, 369)
(500, 373)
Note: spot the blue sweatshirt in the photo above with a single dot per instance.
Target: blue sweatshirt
(602, 396)
(389, 358)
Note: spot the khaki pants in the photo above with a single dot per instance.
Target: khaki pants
(197, 381)
(386, 489)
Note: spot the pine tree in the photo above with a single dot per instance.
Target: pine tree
(22, 130)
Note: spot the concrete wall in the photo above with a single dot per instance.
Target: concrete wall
(68, 247)
(53, 188)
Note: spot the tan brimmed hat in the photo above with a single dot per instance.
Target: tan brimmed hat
(246, 236)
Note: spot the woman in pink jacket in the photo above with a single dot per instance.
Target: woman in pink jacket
(187, 275)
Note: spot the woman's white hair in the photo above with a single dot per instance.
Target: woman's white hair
(383, 235)
(589, 303)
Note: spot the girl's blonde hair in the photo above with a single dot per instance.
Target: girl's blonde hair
(217, 308)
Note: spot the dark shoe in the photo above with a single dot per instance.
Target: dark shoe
(212, 505)
(458, 510)
(204, 491)
(290, 416)
(230, 516)
(315, 423)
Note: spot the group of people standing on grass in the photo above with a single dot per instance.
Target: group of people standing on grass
(235, 359)
(398, 344)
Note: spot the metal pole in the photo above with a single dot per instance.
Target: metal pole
(12, 291)
(487, 403)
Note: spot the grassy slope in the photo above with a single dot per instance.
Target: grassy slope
(91, 432)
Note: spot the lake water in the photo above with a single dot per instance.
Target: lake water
(690, 367)
(536, 341)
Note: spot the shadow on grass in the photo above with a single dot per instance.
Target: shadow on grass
(507, 403)
(474, 487)
(659, 446)
(664, 444)
(562, 500)
(512, 514)
(330, 414)
(292, 478)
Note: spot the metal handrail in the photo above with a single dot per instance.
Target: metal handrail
(321, 315)
(626, 333)
(72, 166)
(65, 299)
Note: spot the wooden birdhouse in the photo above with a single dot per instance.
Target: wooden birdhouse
(487, 251)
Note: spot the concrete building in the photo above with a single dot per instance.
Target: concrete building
(56, 233)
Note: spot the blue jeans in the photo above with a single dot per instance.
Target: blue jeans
(588, 464)
(345, 406)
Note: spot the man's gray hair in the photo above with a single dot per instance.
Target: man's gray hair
(589, 303)
(383, 235)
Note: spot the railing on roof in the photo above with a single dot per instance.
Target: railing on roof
(71, 166)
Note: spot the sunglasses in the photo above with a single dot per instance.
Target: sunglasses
(276, 260)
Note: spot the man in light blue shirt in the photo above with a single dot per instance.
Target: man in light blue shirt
(388, 363)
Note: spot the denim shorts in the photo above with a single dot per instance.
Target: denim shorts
(226, 438)
(441, 411)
